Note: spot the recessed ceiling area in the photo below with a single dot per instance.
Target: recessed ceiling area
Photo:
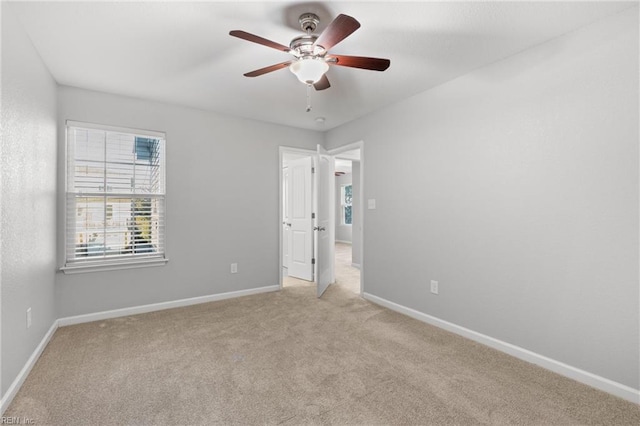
(181, 52)
(342, 166)
(352, 155)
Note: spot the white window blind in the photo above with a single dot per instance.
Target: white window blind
(115, 193)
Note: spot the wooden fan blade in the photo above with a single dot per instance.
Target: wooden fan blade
(339, 29)
(323, 83)
(375, 64)
(260, 40)
(268, 69)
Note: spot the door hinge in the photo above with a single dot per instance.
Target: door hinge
(313, 261)
(313, 170)
(313, 215)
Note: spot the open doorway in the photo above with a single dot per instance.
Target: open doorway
(348, 223)
(331, 204)
(306, 218)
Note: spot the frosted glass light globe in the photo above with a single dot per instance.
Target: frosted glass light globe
(309, 70)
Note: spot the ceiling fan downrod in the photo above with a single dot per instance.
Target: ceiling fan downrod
(308, 23)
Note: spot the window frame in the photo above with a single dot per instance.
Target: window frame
(73, 266)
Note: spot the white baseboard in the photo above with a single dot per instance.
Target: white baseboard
(134, 310)
(22, 376)
(356, 265)
(593, 380)
(79, 319)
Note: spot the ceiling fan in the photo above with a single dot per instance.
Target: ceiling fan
(311, 58)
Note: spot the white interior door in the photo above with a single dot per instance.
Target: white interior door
(325, 220)
(300, 234)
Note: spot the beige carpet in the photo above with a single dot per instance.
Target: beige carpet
(290, 358)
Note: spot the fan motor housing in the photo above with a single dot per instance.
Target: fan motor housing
(304, 45)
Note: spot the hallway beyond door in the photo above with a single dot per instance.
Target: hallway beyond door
(347, 276)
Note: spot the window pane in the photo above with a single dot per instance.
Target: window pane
(143, 226)
(88, 164)
(130, 226)
(120, 162)
(346, 193)
(348, 197)
(148, 155)
(347, 215)
(89, 226)
(133, 164)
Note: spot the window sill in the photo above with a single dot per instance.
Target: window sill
(107, 266)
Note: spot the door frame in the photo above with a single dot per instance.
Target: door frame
(336, 153)
(282, 150)
(333, 152)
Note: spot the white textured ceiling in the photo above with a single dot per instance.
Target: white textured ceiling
(181, 53)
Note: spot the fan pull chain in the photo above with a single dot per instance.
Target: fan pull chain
(308, 98)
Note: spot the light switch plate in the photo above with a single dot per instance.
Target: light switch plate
(371, 203)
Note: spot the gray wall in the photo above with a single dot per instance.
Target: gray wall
(28, 197)
(343, 232)
(516, 186)
(222, 203)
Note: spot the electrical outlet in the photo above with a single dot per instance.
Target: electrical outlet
(234, 268)
(28, 317)
(434, 287)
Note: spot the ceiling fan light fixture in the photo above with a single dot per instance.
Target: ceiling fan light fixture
(309, 70)
(309, 62)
